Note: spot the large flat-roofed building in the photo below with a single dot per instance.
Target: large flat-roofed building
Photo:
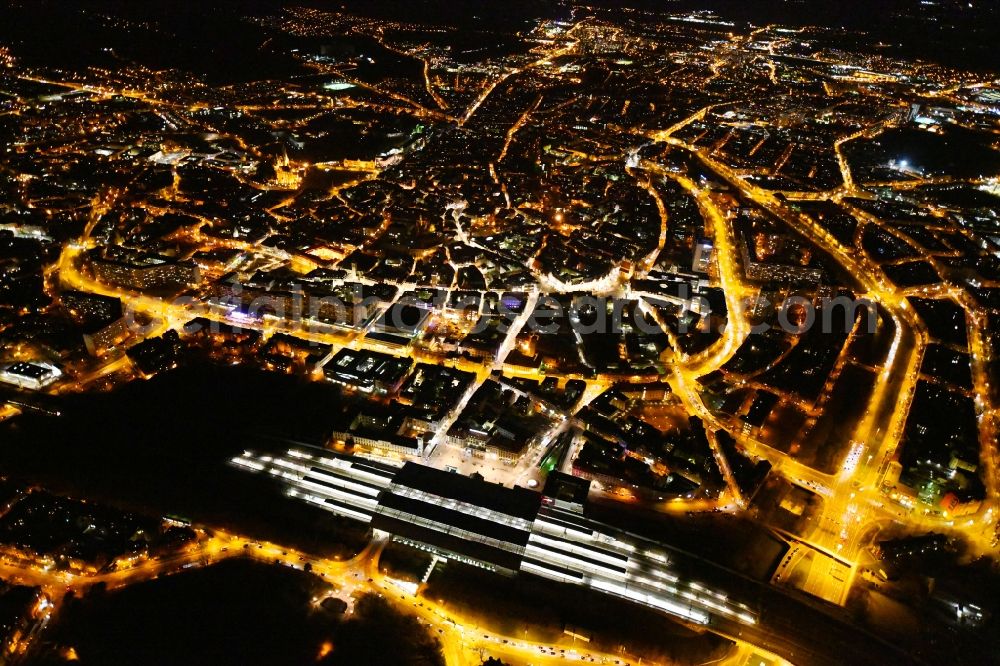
(35, 375)
(565, 491)
(99, 337)
(84, 305)
(137, 270)
(379, 430)
(101, 317)
(464, 518)
(370, 372)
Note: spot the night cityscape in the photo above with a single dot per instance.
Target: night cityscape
(523, 333)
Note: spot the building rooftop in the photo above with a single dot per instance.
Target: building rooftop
(517, 502)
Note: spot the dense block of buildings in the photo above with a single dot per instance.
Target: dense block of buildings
(138, 270)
